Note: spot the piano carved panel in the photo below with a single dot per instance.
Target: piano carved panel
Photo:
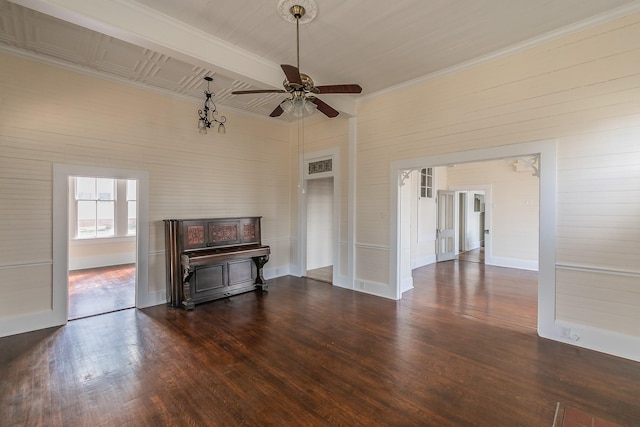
(195, 235)
(223, 233)
(213, 258)
(248, 231)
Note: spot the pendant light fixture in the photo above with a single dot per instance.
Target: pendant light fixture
(208, 114)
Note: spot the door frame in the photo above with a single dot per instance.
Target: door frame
(61, 175)
(304, 176)
(547, 152)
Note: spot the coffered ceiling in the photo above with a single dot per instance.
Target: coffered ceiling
(170, 45)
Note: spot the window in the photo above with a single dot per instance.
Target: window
(95, 198)
(426, 182)
(104, 207)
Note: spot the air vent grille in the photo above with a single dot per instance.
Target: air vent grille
(321, 166)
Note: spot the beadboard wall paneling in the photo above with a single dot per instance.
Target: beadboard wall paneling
(582, 90)
(26, 289)
(25, 211)
(157, 273)
(280, 249)
(52, 115)
(599, 200)
(602, 300)
(34, 244)
(366, 272)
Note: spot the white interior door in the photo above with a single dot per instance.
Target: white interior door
(446, 233)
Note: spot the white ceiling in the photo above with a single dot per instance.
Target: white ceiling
(170, 45)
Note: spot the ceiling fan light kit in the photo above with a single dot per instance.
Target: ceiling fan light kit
(298, 106)
(208, 114)
(303, 100)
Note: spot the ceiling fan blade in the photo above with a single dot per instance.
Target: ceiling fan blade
(277, 112)
(353, 88)
(293, 75)
(325, 108)
(245, 92)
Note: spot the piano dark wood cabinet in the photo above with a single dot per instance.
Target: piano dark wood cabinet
(212, 258)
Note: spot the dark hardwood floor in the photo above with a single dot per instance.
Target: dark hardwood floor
(101, 290)
(458, 350)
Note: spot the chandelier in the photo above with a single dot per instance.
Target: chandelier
(209, 113)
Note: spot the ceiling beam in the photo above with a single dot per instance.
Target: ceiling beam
(140, 25)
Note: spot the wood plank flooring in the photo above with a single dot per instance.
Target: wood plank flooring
(101, 290)
(474, 255)
(458, 350)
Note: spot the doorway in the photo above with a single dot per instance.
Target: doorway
(318, 207)
(320, 229)
(144, 295)
(471, 223)
(545, 153)
(102, 215)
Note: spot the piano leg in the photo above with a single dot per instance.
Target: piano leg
(187, 302)
(260, 261)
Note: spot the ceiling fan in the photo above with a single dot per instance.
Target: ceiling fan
(301, 87)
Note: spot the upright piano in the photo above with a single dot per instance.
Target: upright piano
(213, 258)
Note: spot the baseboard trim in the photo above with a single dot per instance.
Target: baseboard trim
(422, 261)
(608, 342)
(521, 264)
(29, 322)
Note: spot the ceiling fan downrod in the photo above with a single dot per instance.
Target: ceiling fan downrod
(298, 12)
